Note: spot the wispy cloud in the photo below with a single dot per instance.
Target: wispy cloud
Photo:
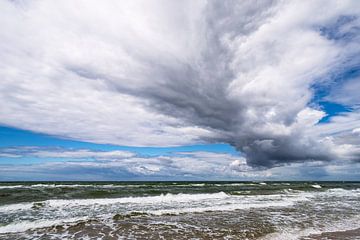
(37, 152)
(181, 165)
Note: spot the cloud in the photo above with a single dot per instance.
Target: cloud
(160, 73)
(347, 93)
(17, 152)
(356, 131)
(117, 165)
(177, 166)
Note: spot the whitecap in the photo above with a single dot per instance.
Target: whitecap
(23, 226)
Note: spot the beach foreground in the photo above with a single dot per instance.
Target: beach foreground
(180, 210)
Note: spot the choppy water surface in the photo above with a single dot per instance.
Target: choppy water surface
(180, 210)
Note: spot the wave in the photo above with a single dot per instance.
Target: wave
(208, 201)
(235, 196)
(228, 207)
(12, 186)
(180, 198)
(294, 234)
(23, 226)
(173, 204)
(72, 210)
(35, 186)
(235, 184)
(15, 207)
(45, 186)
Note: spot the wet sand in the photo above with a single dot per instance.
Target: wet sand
(338, 235)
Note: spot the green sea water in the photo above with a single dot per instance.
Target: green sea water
(177, 210)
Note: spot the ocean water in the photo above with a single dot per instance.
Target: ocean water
(180, 210)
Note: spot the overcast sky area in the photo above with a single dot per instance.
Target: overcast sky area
(179, 90)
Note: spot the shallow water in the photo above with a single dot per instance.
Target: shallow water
(179, 210)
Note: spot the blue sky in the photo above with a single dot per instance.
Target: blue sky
(11, 137)
(190, 90)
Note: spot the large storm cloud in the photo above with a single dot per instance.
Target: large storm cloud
(163, 73)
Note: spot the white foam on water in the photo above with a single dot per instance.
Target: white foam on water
(340, 192)
(163, 204)
(316, 186)
(156, 205)
(286, 184)
(219, 198)
(295, 234)
(178, 198)
(11, 186)
(227, 207)
(187, 185)
(198, 184)
(35, 186)
(23, 226)
(235, 184)
(236, 202)
(163, 198)
(344, 191)
(242, 192)
(44, 186)
(15, 207)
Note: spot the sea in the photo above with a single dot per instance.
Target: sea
(180, 210)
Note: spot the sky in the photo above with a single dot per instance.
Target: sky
(179, 90)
